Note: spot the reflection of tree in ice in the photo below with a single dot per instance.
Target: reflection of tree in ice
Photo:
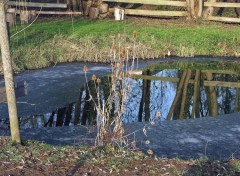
(227, 97)
(161, 97)
(161, 94)
(133, 101)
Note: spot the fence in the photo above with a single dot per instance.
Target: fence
(27, 16)
(193, 8)
(211, 5)
(154, 12)
(188, 8)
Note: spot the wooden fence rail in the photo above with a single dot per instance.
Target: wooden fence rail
(153, 2)
(36, 4)
(194, 9)
(223, 19)
(209, 5)
(191, 81)
(27, 16)
(154, 12)
(221, 4)
(191, 8)
(47, 12)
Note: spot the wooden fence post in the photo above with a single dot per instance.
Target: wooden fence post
(188, 8)
(8, 76)
(192, 9)
(74, 5)
(209, 10)
(200, 8)
(195, 8)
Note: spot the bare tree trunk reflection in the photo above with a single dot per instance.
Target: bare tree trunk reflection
(211, 96)
(145, 100)
(32, 122)
(178, 94)
(106, 86)
(184, 94)
(50, 121)
(44, 120)
(89, 114)
(227, 100)
(60, 116)
(196, 95)
(140, 112)
(78, 107)
(236, 105)
(91, 111)
(85, 108)
(68, 117)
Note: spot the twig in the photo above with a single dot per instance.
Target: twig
(22, 102)
(206, 149)
(29, 24)
(18, 167)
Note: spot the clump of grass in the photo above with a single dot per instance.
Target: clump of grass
(183, 51)
(235, 164)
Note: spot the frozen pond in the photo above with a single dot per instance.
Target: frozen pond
(54, 92)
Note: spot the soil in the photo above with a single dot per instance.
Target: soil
(33, 158)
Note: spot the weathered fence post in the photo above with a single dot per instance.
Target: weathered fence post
(209, 10)
(200, 8)
(74, 5)
(194, 8)
(188, 8)
(8, 75)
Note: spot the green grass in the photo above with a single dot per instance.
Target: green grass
(50, 41)
(46, 29)
(236, 165)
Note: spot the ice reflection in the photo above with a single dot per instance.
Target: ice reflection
(176, 94)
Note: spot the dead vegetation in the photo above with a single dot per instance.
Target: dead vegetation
(41, 159)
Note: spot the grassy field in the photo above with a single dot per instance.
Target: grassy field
(51, 41)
